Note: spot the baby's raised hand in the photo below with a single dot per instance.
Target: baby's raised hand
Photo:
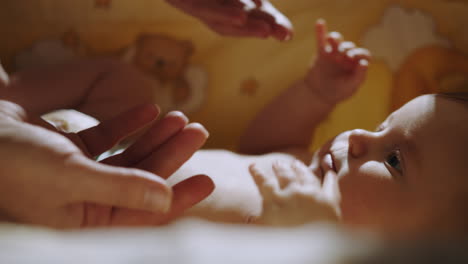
(293, 195)
(340, 66)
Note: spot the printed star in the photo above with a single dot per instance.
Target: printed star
(249, 86)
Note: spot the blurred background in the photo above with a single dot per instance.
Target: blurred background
(419, 46)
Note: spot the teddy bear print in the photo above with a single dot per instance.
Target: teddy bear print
(166, 60)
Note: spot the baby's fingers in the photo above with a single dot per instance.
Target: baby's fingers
(358, 54)
(345, 46)
(267, 186)
(351, 57)
(331, 190)
(285, 174)
(333, 41)
(307, 177)
(321, 35)
(359, 72)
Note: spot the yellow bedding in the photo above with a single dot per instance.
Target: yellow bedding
(419, 46)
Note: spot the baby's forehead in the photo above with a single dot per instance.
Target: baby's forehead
(443, 160)
(439, 133)
(433, 111)
(414, 110)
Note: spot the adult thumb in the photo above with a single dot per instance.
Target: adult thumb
(117, 186)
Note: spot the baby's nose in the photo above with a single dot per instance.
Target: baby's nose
(358, 142)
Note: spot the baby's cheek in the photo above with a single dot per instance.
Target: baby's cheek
(358, 206)
(351, 205)
(371, 201)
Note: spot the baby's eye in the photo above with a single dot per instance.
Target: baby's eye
(393, 160)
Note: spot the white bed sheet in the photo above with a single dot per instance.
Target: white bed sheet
(187, 241)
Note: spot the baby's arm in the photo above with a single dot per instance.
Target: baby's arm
(290, 120)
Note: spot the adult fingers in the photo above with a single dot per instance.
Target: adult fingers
(186, 194)
(238, 3)
(156, 136)
(281, 25)
(102, 137)
(232, 14)
(229, 11)
(252, 28)
(107, 185)
(165, 160)
(281, 33)
(275, 30)
(263, 20)
(96, 215)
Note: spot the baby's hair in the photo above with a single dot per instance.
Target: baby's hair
(461, 97)
(462, 200)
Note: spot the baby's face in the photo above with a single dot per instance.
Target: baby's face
(407, 171)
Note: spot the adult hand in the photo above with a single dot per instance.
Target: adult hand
(48, 180)
(164, 147)
(239, 18)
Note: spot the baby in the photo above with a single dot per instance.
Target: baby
(406, 178)
(399, 180)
